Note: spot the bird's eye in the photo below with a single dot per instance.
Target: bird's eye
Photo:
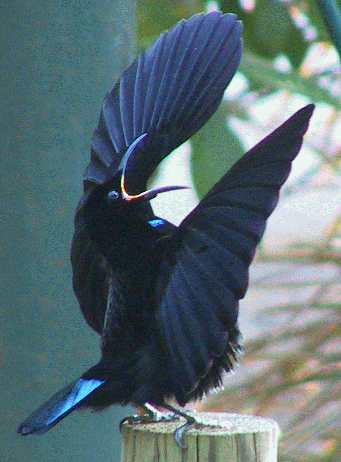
(113, 196)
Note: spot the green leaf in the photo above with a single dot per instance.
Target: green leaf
(155, 17)
(269, 29)
(311, 9)
(261, 71)
(214, 150)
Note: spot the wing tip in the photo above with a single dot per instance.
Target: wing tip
(306, 111)
(298, 123)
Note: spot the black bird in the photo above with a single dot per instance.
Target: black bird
(164, 299)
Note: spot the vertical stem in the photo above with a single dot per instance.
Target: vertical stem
(332, 17)
(58, 60)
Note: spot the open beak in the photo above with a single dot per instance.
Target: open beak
(150, 193)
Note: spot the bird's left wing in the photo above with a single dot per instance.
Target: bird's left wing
(91, 278)
(206, 274)
(168, 92)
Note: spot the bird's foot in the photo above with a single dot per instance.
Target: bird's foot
(133, 419)
(181, 431)
(151, 415)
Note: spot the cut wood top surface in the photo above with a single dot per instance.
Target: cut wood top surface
(218, 437)
(214, 423)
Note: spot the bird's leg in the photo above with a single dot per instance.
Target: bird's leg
(157, 415)
(149, 414)
(181, 431)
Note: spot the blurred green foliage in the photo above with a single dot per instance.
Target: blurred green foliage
(155, 17)
(269, 29)
(215, 149)
(311, 8)
(294, 361)
(262, 75)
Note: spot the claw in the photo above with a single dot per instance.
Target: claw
(132, 419)
(152, 415)
(122, 422)
(181, 431)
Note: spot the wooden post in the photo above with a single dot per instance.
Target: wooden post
(219, 437)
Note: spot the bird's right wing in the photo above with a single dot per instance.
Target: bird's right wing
(206, 274)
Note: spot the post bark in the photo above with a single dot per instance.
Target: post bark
(219, 437)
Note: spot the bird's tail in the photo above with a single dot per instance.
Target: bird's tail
(60, 405)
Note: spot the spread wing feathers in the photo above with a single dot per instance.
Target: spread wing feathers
(169, 92)
(216, 243)
(59, 406)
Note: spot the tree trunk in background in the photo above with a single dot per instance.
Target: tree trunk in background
(58, 59)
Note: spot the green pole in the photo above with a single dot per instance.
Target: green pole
(58, 59)
(332, 18)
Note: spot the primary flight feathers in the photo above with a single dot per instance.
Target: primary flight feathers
(217, 244)
(169, 92)
(164, 298)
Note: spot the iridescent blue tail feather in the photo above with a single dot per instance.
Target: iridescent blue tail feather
(59, 406)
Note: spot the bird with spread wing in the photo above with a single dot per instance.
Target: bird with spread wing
(164, 298)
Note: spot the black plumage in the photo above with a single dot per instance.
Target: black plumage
(164, 298)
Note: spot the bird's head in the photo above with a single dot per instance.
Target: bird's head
(120, 196)
(112, 198)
